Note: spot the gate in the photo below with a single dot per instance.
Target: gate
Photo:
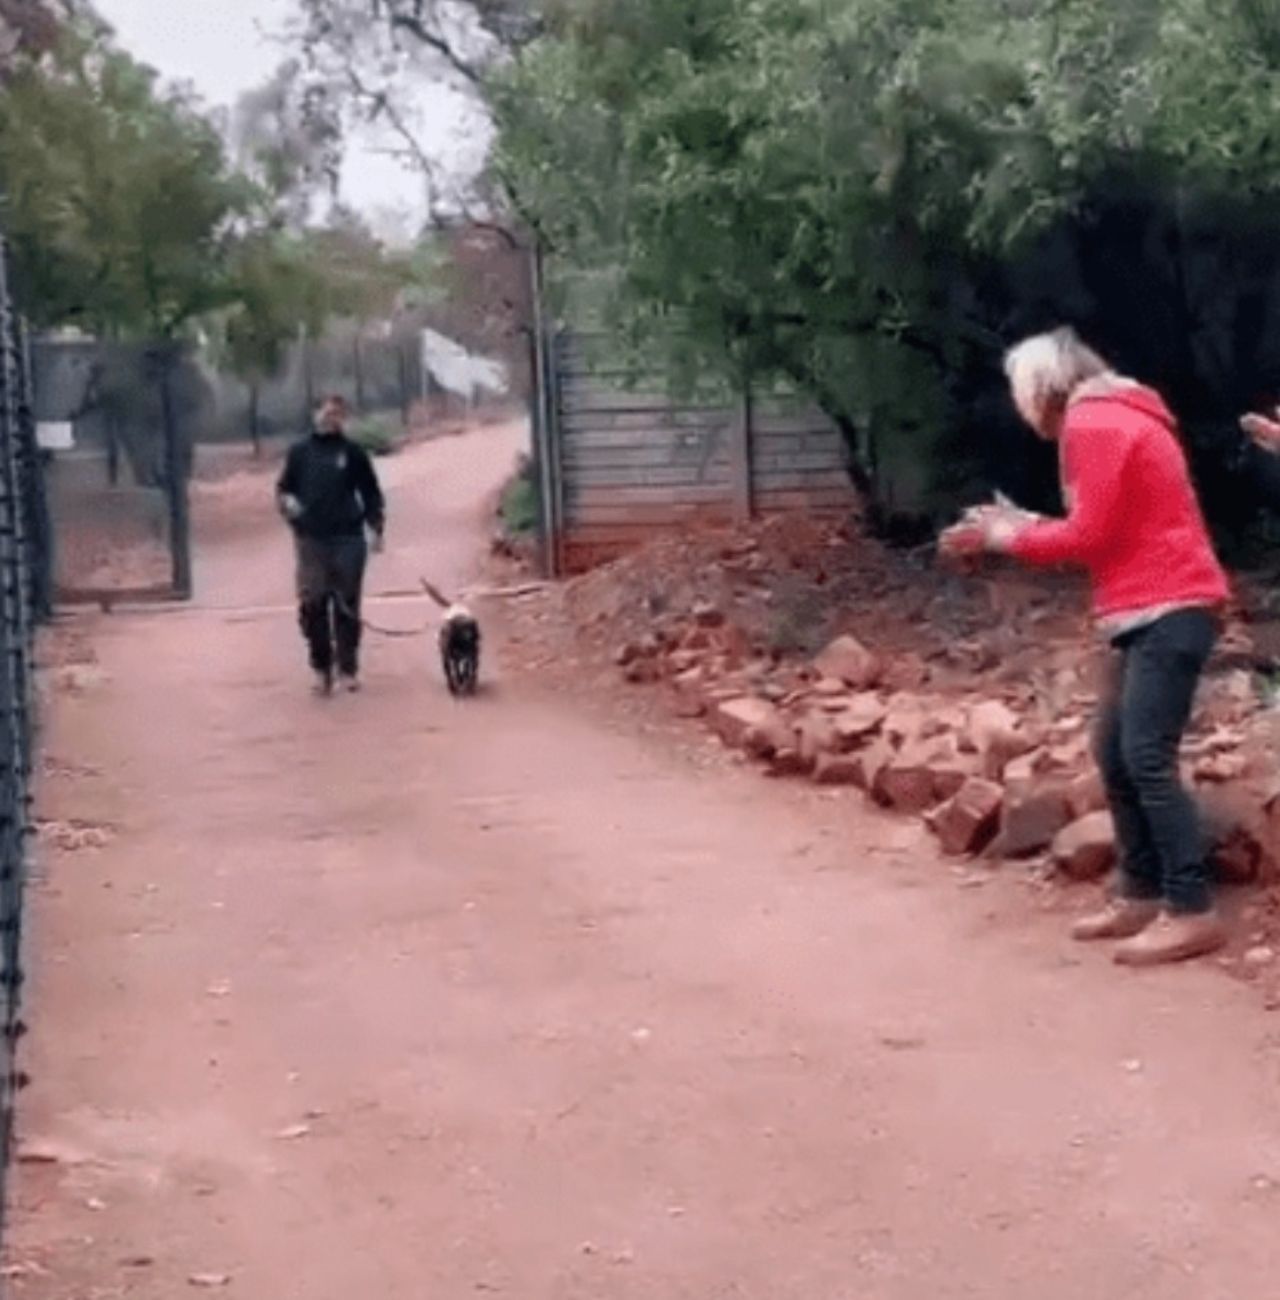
(118, 463)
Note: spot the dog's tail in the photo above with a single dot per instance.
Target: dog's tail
(434, 593)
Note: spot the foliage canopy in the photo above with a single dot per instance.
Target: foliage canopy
(869, 198)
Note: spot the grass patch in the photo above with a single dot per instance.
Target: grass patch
(518, 509)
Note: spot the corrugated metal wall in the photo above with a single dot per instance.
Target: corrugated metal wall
(798, 460)
(630, 461)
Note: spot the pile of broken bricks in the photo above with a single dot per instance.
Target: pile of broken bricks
(1008, 775)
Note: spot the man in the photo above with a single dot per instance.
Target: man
(329, 494)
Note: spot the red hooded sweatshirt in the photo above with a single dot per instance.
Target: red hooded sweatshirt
(1134, 520)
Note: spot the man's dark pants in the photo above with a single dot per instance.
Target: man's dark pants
(1146, 710)
(330, 584)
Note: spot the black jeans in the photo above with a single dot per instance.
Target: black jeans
(1146, 710)
(330, 583)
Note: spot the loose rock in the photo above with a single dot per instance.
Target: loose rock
(968, 821)
(838, 769)
(858, 721)
(909, 782)
(742, 716)
(1086, 794)
(1031, 821)
(849, 661)
(1086, 850)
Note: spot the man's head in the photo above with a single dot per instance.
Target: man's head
(331, 414)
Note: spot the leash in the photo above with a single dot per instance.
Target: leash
(396, 633)
(392, 633)
(401, 633)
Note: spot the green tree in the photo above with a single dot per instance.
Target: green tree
(281, 296)
(116, 195)
(865, 198)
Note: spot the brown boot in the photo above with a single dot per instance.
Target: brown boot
(1176, 936)
(1122, 919)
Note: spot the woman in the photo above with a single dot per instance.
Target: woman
(1135, 525)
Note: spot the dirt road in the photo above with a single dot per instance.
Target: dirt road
(394, 998)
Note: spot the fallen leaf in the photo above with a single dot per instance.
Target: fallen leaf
(294, 1133)
(901, 1042)
(50, 1153)
(209, 1281)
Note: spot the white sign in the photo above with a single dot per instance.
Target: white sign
(55, 435)
(459, 372)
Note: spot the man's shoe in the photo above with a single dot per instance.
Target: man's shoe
(323, 685)
(350, 683)
(1176, 936)
(1122, 919)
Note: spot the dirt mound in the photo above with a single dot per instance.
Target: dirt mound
(790, 586)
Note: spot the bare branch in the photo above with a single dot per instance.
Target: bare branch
(417, 28)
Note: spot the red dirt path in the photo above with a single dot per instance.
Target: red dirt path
(398, 998)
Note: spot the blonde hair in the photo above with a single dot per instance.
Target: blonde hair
(1046, 369)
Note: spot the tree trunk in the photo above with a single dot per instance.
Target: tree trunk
(406, 397)
(358, 354)
(113, 447)
(308, 378)
(255, 425)
(176, 472)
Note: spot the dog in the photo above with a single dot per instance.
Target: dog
(459, 644)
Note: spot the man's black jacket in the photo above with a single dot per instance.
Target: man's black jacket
(336, 485)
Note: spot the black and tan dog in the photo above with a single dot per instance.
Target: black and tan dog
(459, 644)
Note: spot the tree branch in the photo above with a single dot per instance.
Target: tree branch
(417, 28)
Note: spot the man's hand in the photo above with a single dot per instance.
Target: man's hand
(290, 507)
(377, 541)
(1264, 432)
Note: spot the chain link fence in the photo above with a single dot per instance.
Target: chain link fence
(25, 599)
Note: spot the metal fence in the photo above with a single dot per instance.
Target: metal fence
(25, 595)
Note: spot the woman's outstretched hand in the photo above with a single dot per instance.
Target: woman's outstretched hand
(962, 541)
(982, 530)
(1264, 431)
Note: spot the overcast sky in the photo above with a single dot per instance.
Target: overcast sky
(224, 48)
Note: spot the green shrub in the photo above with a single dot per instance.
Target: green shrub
(376, 435)
(520, 507)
